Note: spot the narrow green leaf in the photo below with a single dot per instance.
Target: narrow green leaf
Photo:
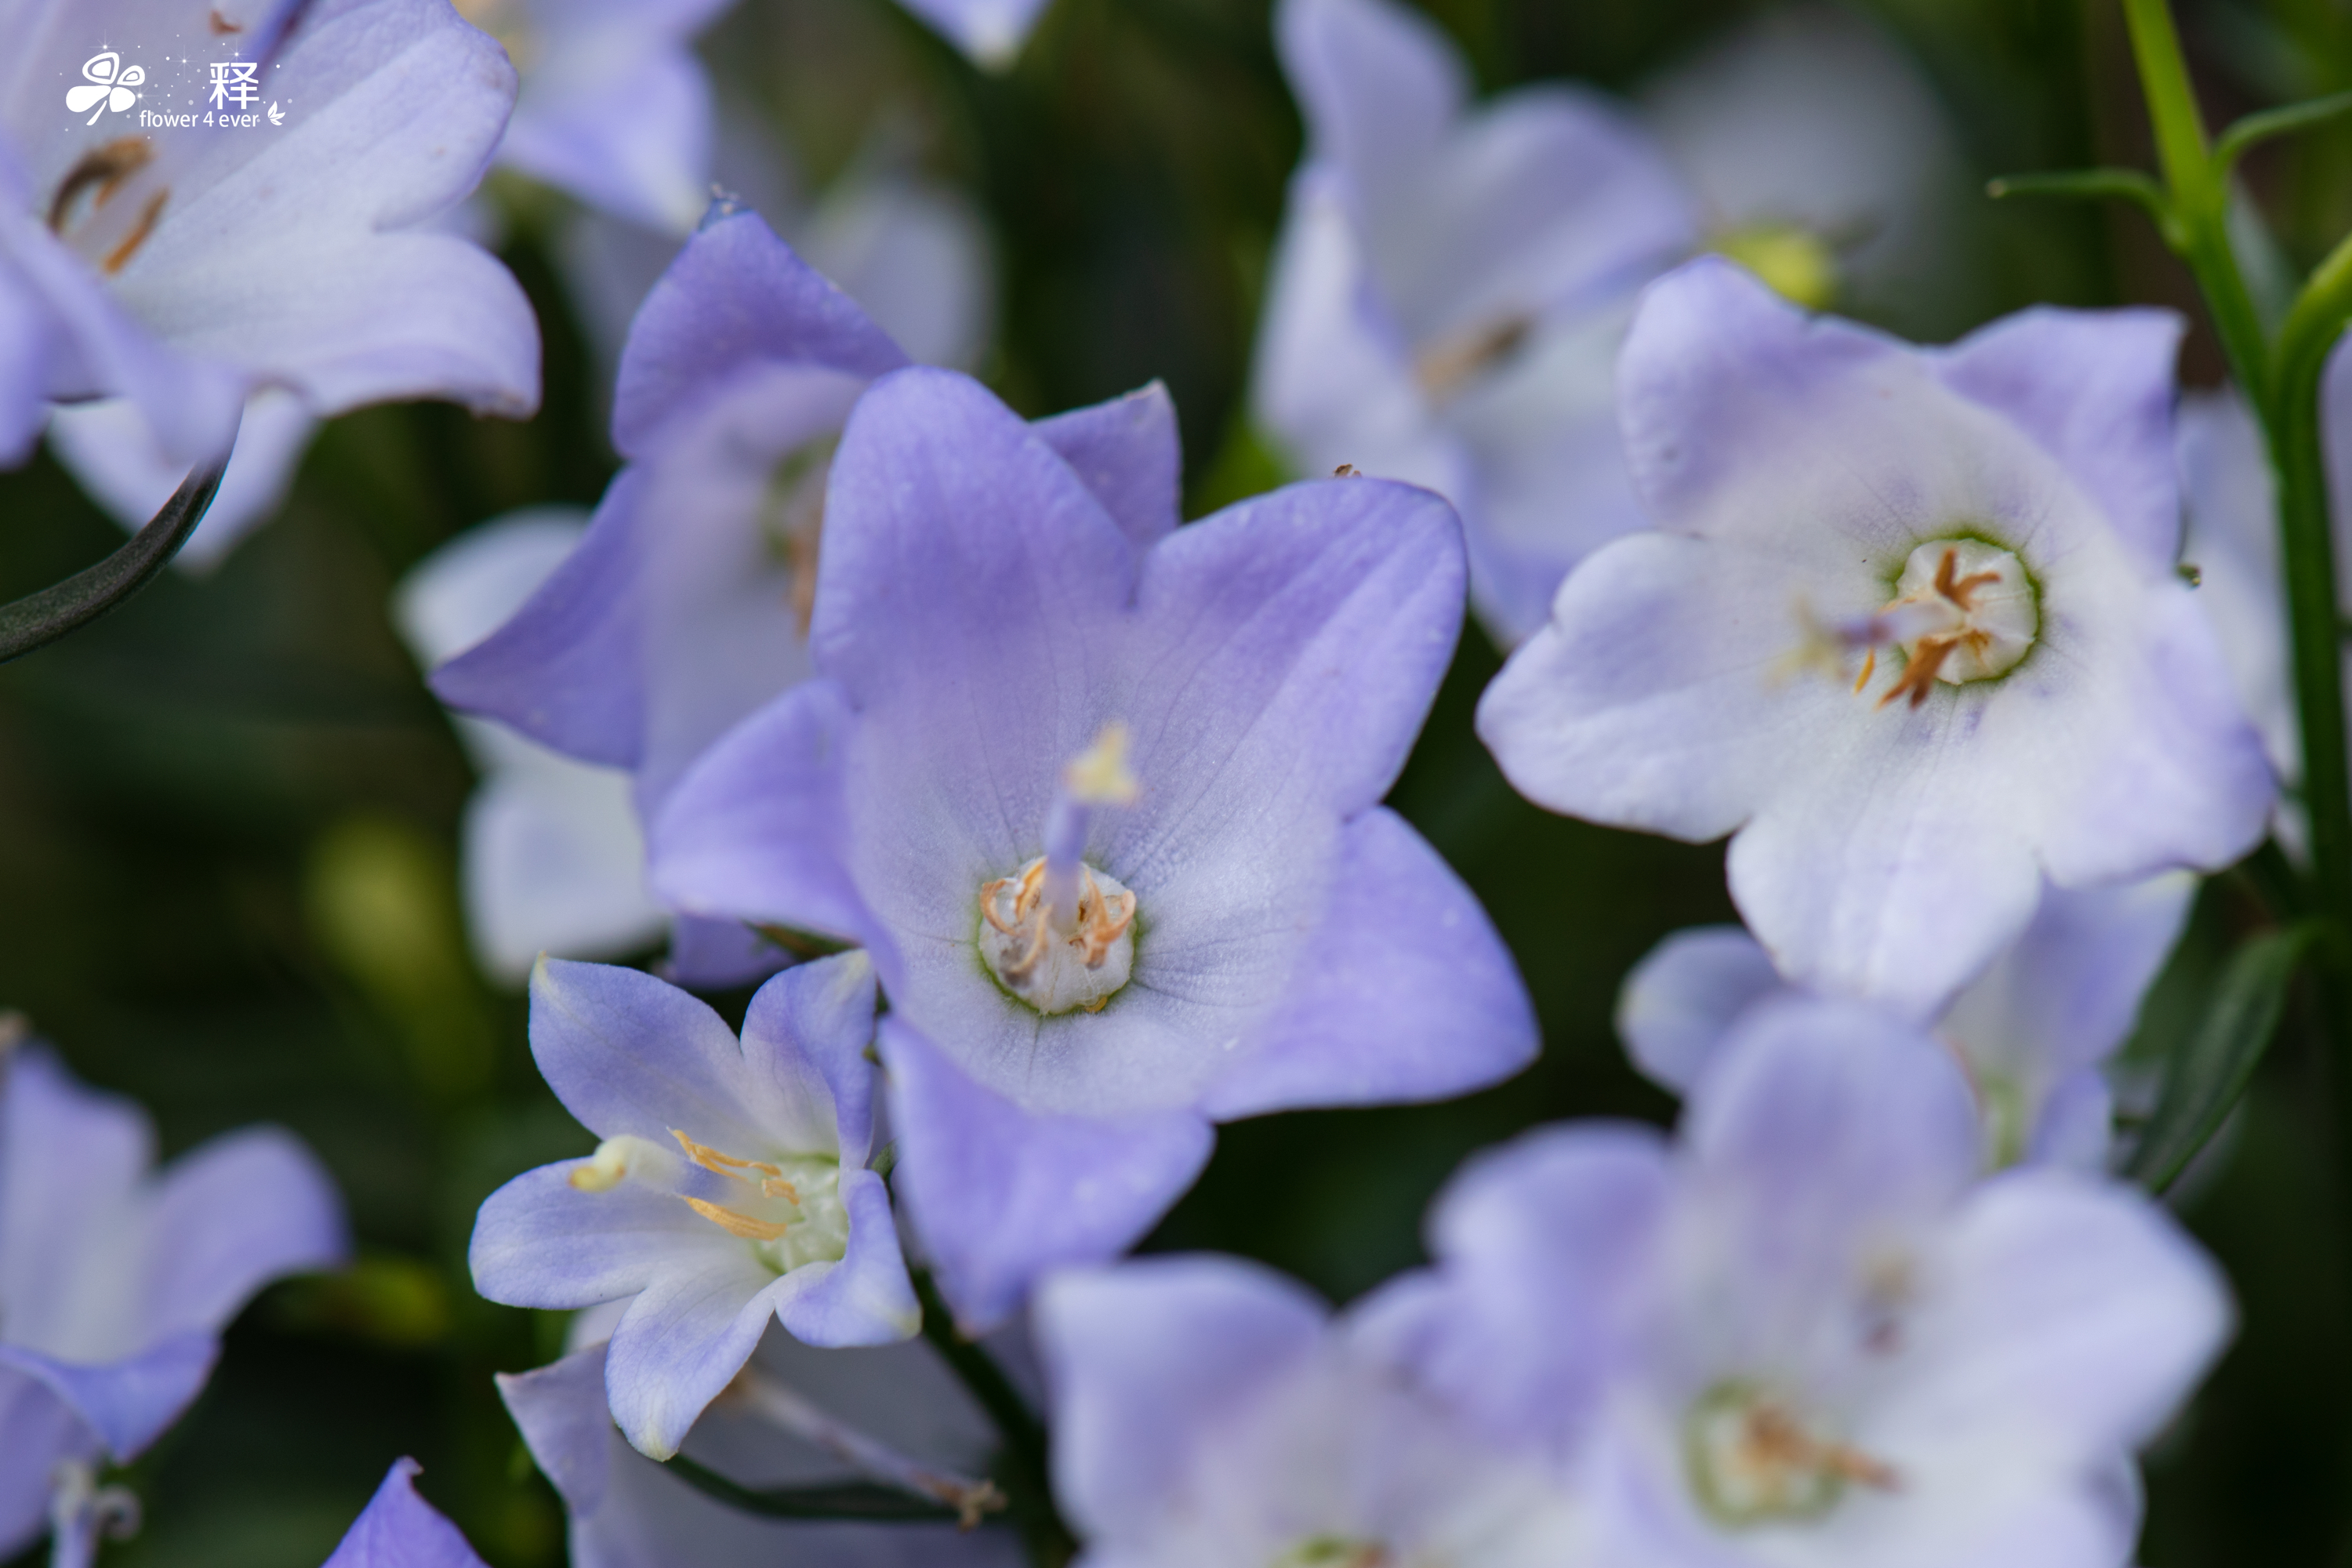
(842, 1499)
(2210, 1071)
(2270, 123)
(2094, 185)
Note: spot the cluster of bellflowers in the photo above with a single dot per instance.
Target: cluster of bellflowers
(1048, 825)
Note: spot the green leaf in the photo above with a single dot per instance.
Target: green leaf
(839, 1500)
(2270, 123)
(2210, 1070)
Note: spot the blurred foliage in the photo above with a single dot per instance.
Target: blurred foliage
(228, 813)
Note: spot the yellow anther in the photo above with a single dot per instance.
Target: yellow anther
(603, 1171)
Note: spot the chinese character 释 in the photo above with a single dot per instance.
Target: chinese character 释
(234, 82)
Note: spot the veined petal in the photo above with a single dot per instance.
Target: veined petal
(399, 1530)
(1404, 994)
(1126, 452)
(37, 1430)
(122, 465)
(755, 830)
(1143, 1362)
(805, 1038)
(630, 1053)
(1679, 1004)
(866, 1297)
(539, 1241)
(1000, 1196)
(299, 261)
(562, 1413)
(2095, 389)
(682, 1342)
(736, 297)
(232, 1215)
(127, 1403)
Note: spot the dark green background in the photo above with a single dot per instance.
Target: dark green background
(227, 814)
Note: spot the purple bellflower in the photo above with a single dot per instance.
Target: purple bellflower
(158, 277)
(1808, 1334)
(1099, 796)
(399, 1530)
(686, 606)
(731, 1185)
(1907, 627)
(116, 1281)
(2031, 1033)
(1208, 1413)
(1451, 285)
(552, 857)
(784, 1421)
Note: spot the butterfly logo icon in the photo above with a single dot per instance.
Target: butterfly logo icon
(107, 85)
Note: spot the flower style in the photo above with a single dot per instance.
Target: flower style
(180, 272)
(1450, 288)
(1452, 284)
(732, 1184)
(1907, 627)
(1209, 1413)
(1099, 796)
(2029, 1033)
(552, 858)
(116, 1282)
(399, 1530)
(626, 1511)
(1808, 1334)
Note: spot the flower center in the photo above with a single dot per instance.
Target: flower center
(1753, 1461)
(1963, 610)
(1792, 261)
(789, 1208)
(1060, 933)
(792, 522)
(508, 21)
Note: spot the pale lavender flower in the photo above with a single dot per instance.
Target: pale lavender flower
(399, 1530)
(1808, 1334)
(116, 1280)
(1906, 626)
(1450, 288)
(550, 856)
(1100, 794)
(614, 107)
(989, 31)
(626, 1511)
(1208, 1413)
(184, 270)
(2031, 1032)
(731, 1187)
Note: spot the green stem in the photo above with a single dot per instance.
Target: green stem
(2285, 390)
(1022, 1467)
